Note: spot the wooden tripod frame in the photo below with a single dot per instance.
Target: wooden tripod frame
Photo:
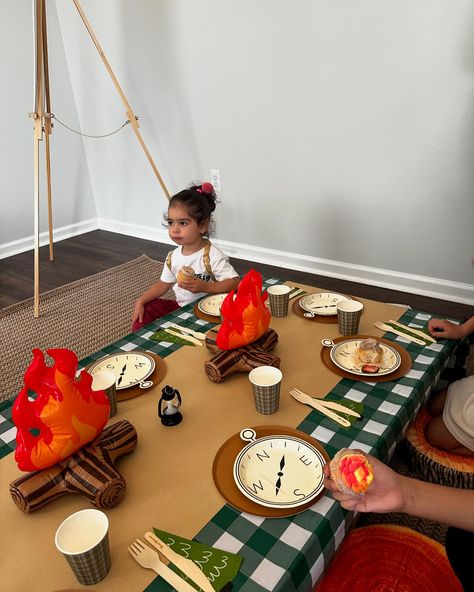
(43, 127)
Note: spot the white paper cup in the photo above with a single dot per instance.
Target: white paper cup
(83, 540)
(279, 296)
(105, 381)
(348, 316)
(266, 382)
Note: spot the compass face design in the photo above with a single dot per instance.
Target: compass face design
(211, 305)
(322, 303)
(130, 368)
(279, 471)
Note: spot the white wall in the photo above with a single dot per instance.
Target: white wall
(343, 130)
(72, 196)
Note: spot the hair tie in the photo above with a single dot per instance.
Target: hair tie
(206, 188)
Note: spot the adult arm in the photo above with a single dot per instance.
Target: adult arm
(156, 290)
(450, 505)
(391, 492)
(448, 330)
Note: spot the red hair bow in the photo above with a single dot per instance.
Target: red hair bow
(207, 188)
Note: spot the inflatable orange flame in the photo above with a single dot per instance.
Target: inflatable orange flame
(245, 316)
(64, 416)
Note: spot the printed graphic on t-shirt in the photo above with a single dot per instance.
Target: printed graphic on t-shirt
(204, 277)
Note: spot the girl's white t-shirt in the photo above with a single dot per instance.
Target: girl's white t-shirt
(220, 266)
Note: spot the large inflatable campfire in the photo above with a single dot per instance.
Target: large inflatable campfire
(245, 316)
(64, 415)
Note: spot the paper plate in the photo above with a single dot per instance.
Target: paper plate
(211, 305)
(136, 371)
(280, 471)
(322, 303)
(130, 368)
(223, 474)
(342, 354)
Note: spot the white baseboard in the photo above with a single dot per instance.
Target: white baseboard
(59, 234)
(159, 235)
(383, 278)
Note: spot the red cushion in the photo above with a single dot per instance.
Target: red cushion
(389, 558)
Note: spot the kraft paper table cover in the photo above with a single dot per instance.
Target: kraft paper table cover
(169, 480)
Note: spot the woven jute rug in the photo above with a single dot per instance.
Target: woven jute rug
(83, 316)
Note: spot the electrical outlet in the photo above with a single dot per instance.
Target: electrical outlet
(216, 179)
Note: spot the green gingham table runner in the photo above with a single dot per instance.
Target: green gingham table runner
(290, 554)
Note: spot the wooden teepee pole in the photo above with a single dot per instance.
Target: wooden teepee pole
(48, 128)
(38, 117)
(130, 115)
(42, 129)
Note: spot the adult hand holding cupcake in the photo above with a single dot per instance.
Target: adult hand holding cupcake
(362, 483)
(390, 492)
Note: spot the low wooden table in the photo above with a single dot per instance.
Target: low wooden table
(169, 476)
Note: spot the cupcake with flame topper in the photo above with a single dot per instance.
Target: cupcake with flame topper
(351, 472)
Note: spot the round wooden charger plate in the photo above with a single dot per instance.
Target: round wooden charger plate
(405, 366)
(299, 312)
(156, 377)
(223, 472)
(205, 317)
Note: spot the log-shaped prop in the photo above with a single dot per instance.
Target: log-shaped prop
(243, 359)
(89, 472)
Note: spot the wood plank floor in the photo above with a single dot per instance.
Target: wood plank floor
(96, 251)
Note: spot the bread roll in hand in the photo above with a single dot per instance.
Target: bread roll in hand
(185, 274)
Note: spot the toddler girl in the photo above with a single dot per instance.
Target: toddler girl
(189, 216)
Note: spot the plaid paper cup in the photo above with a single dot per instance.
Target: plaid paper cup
(279, 297)
(266, 381)
(105, 381)
(348, 316)
(84, 541)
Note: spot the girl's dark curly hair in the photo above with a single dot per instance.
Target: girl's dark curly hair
(198, 199)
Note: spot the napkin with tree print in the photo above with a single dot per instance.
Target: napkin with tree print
(220, 567)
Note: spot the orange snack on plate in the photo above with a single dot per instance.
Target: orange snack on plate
(351, 471)
(185, 273)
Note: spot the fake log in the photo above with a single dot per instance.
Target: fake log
(90, 472)
(243, 359)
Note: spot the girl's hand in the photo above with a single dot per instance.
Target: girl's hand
(138, 311)
(195, 285)
(445, 329)
(386, 493)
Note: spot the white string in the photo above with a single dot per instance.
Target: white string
(89, 135)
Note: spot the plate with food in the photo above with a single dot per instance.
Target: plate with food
(364, 357)
(322, 303)
(211, 305)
